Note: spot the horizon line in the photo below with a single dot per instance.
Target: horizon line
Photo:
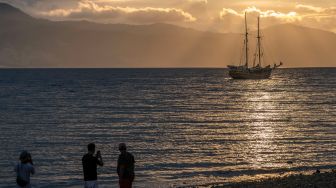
(3, 68)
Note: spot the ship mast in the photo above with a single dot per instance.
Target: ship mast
(246, 43)
(259, 37)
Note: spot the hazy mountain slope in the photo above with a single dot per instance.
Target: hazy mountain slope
(30, 42)
(301, 46)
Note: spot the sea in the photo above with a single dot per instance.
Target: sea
(183, 126)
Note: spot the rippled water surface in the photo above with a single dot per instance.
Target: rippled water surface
(184, 126)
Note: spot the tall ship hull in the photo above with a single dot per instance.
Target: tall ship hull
(262, 73)
(256, 71)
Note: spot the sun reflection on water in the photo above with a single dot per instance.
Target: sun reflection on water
(261, 132)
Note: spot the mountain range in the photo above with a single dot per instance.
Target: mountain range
(28, 42)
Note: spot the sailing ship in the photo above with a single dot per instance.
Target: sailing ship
(257, 71)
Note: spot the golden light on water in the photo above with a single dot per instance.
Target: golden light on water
(262, 133)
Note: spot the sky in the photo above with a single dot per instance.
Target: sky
(207, 15)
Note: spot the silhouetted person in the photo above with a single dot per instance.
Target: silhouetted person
(24, 169)
(90, 162)
(125, 168)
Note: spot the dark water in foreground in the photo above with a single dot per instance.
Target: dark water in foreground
(182, 125)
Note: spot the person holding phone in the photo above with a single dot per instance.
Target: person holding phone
(90, 162)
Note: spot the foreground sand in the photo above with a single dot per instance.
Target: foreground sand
(316, 180)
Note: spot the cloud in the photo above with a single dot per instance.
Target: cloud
(308, 8)
(197, 6)
(255, 12)
(89, 10)
(306, 15)
(233, 20)
(318, 17)
(213, 15)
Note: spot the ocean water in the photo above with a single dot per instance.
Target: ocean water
(184, 126)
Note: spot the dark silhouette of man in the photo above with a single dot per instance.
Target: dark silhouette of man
(90, 162)
(125, 167)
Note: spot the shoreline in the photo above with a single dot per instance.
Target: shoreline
(317, 179)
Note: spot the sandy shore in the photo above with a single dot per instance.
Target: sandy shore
(316, 180)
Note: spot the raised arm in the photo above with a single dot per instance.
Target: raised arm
(99, 159)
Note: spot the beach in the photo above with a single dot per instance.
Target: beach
(324, 179)
(315, 180)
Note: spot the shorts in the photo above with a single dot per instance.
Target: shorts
(91, 184)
